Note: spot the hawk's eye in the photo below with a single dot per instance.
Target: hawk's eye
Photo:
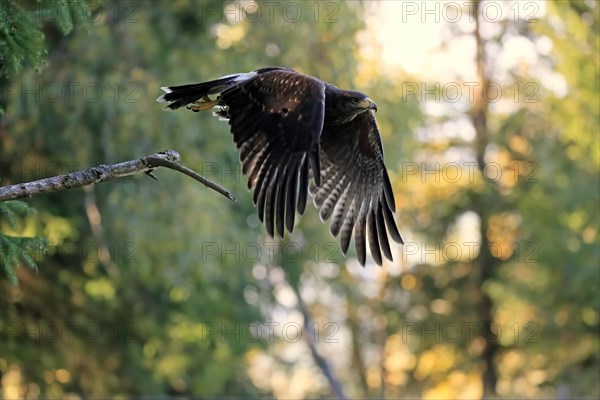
(355, 100)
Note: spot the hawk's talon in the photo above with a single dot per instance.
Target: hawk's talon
(205, 103)
(201, 105)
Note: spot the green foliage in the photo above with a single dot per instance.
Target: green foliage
(540, 220)
(21, 40)
(22, 45)
(22, 37)
(15, 250)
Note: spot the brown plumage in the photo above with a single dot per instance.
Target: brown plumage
(289, 127)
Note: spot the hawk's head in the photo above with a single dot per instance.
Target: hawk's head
(347, 104)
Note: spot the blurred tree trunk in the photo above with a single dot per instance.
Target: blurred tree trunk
(484, 262)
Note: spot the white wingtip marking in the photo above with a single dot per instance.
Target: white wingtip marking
(166, 89)
(245, 76)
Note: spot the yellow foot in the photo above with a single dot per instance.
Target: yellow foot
(204, 103)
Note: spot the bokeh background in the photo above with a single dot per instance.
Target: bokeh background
(489, 115)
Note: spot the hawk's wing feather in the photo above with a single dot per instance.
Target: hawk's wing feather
(374, 244)
(303, 186)
(356, 191)
(381, 233)
(276, 119)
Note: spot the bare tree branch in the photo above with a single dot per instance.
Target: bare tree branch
(322, 363)
(311, 340)
(102, 173)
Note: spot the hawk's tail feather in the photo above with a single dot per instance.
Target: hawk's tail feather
(179, 96)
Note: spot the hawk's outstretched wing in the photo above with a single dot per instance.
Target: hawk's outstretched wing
(355, 188)
(276, 119)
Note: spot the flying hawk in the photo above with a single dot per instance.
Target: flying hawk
(289, 127)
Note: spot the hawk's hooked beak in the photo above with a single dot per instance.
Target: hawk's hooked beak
(369, 104)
